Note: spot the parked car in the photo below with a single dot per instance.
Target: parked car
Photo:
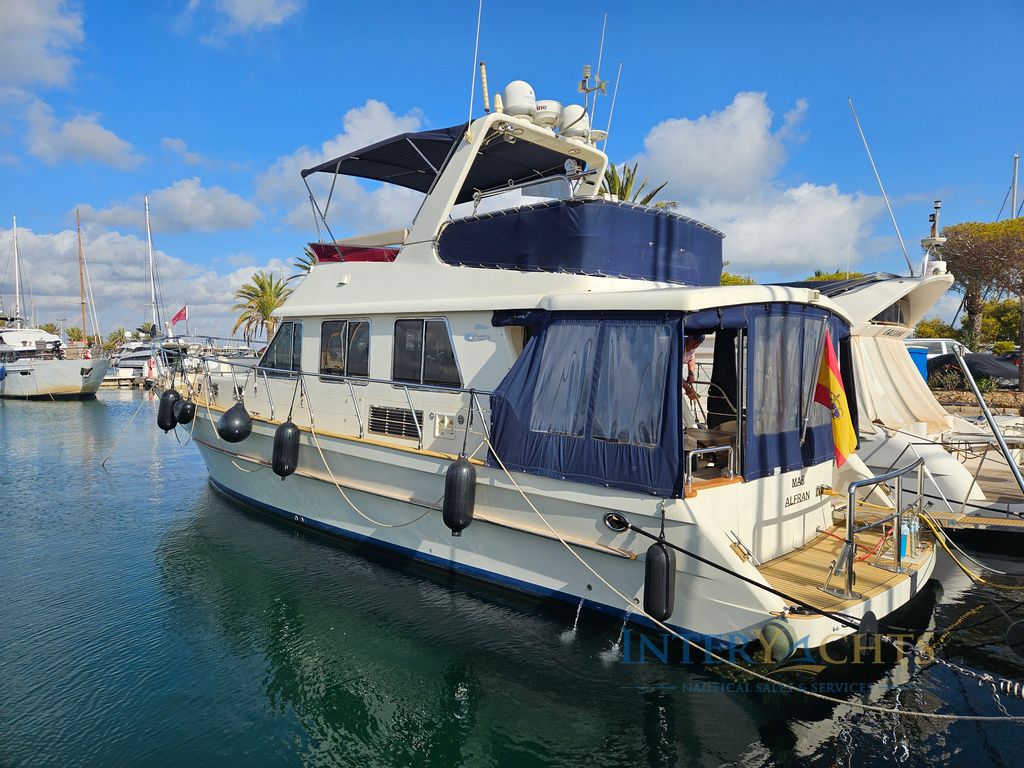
(1013, 357)
(935, 347)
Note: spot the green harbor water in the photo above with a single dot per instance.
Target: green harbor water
(146, 620)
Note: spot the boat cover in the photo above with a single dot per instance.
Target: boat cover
(597, 398)
(413, 160)
(1003, 373)
(890, 389)
(591, 236)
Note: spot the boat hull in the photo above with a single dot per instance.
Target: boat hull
(375, 495)
(53, 379)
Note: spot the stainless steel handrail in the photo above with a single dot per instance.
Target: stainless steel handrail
(688, 483)
(846, 558)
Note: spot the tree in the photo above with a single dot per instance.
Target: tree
(116, 338)
(50, 328)
(840, 274)
(621, 185)
(1005, 241)
(148, 330)
(74, 334)
(969, 258)
(728, 278)
(1000, 321)
(934, 328)
(257, 302)
(303, 263)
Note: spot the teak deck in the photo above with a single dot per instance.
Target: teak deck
(802, 573)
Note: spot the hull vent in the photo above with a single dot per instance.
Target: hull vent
(397, 422)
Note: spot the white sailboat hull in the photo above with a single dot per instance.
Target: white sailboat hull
(57, 379)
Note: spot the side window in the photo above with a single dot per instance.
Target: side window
(284, 353)
(424, 354)
(345, 348)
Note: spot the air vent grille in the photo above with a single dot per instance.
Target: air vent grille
(397, 422)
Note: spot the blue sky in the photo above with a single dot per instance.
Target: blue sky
(212, 107)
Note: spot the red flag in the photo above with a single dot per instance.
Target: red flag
(182, 315)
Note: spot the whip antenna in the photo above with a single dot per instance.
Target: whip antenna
(472, 87)
(884, 197)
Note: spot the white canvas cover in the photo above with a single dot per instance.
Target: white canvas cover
(890, 389)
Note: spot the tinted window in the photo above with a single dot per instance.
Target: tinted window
(424, 354)
(285, 350)
(345, 348)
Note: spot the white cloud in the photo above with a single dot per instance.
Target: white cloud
(185, 206)
(80, 139)
(352, 206)
(724, 169)
(120, 283)
(34, 38)
(179, 147)
(243, 16)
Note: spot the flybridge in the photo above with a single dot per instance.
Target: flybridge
(566, 226)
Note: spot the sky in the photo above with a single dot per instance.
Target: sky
(211, 108)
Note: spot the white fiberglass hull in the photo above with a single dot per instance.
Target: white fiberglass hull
(56, 379)
(509, 543)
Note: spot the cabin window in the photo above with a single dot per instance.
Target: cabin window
(345, 348)
(631, 384)
(895, 314)
(563, 384)
(786, 364)
(424, 354)
(630, 377)
(285, 350)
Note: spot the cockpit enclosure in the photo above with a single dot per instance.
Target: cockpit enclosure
(598, 398)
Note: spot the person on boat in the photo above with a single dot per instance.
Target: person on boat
(690, 344)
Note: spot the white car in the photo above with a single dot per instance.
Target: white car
(935, 347)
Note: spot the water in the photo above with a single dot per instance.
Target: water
(147, 621)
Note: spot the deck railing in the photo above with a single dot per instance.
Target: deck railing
(845, 563)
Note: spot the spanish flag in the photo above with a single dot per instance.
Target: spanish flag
(830, 393)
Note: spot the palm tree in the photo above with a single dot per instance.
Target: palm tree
(257, 302)
(304, 263)
(74, 334)
(116, 337)
(50, 328)
(148, 330)
(621, 185)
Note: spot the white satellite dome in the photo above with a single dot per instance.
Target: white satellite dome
(519, 99)
(549, 113)
(575, 122)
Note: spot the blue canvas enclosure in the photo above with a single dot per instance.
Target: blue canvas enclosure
(785, 429)
(588, 236)
(597, 398)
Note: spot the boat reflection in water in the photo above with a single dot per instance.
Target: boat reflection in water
(367, 658)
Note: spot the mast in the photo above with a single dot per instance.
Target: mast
(152, 272)
(81, 277)
(1013, 204)
(17, 279)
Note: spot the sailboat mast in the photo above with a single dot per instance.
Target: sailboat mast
(152, 272)
(17, 278)
(81, 277)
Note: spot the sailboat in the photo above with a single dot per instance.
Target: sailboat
(34, 363)
(146, 359)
